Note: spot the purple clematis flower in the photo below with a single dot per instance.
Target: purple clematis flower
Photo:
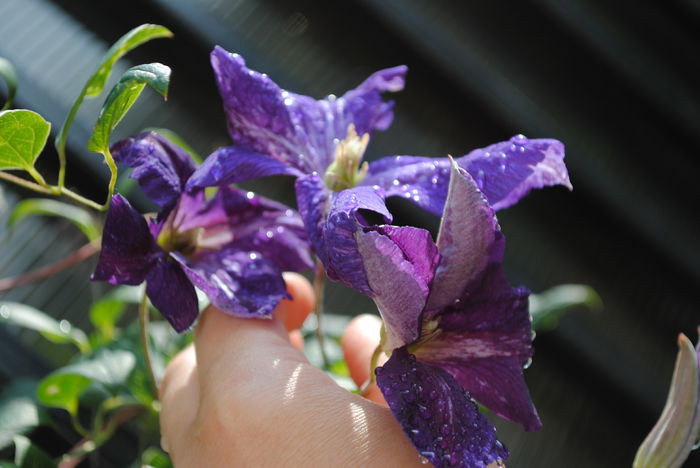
(321, 143)
(452, 324)
(232, 246)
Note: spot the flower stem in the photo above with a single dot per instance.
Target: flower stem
(143, 325)
(51, 190)
(319, 282)
(25, 183)
(112, 178)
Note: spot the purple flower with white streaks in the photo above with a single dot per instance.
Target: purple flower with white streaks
(232, 246)
(453, 327)
(321, 143)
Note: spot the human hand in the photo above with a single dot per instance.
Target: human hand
(245, 395)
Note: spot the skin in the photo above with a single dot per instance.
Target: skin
(246, 396)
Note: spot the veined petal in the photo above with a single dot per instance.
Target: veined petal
(505, 172)
(442, 422)
(234, 164)
(508, 170)
(468, 240)
(297, 130)
(484, 341)
(344, 262)
(418, 179)
(242, 284)
(128, 250)
(313, 201)
(160, 166)
(172, 294)
(399, 263)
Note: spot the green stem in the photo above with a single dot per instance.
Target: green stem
(25, 183)
(112, 178)
(62, 136)
(143, 325)
(319, 281)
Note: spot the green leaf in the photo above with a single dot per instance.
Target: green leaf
(96, 82)
(28, 455)
(19, 412)
(7, 73)
(23, 134)
(14, 313)
(108, 367)
(123, 96)
(45, 206)
(62, 391)
(548, 307)
(155, 458)
(104, 315)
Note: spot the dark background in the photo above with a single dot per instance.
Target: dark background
(615, 81)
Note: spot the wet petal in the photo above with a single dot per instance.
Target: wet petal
(297, 130)
(128, 250)
(313, 200)
(234, 164)
(485, 340)
(441, 421)
(505, 172)
(508, 170)
(172, 294)
(399, 263)
(344, 263)
(243, 284)
(160, 166)
(468, 240)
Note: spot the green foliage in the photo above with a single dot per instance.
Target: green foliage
(48, 207)
(8, 74)
(123, 96)
(19, 411)
(23, 134)
(104, 315)
(25, 316)
(548, 307)
(28, 455)
(95, 84)
(62, 391)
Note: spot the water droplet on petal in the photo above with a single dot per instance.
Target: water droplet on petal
(528, 363)
(331, 97)
(395, 182)
(269, 234)
(253, 256)
(423, 460)
(288, 101)
(519, 139)
(64, 326)
(250, 195)
(434, 180)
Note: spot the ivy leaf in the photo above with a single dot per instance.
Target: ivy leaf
(123, 96)
(108, 367)
(8, 74)
(19, 412)
(62, 391)
(104, 315)
(23, 134)
(28, 455)
(22, 315)
(96, 82)
(45, 206)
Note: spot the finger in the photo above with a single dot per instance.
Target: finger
(359, 342)
(179, 397)
(236, 346)
(297, 339)
(301, 304)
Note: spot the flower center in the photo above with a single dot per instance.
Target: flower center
(185, 242)
(430, 329)
(345, 171)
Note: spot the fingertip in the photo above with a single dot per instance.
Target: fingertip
(359, 342)
(293, 312)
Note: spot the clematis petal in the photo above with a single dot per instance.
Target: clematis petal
(441, 421)
(505, 172)
(344, 263)
(172, 294)
(485, 340)
(399, 263)
(242, 284)
(234, 164)
(468, 240)
(128, 250)
(313, 201)
(508, 170)
(297, 130)
(160, 166)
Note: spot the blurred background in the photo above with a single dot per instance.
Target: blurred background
(615, 81)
